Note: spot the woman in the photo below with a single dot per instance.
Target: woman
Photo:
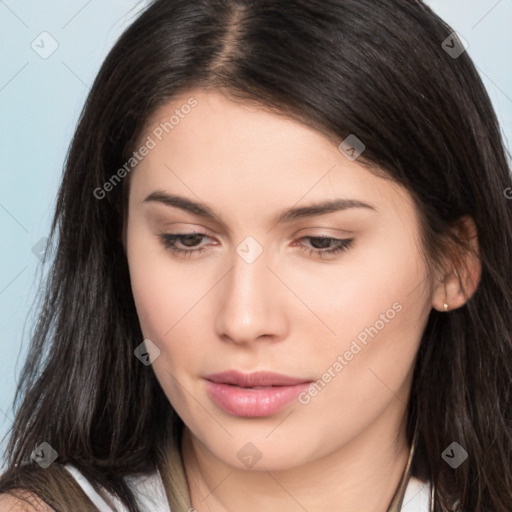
(282, 276)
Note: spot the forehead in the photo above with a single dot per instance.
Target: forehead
(211, 148)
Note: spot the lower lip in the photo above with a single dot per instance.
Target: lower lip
(250, 402)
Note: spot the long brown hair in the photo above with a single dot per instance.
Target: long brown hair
(375, 68)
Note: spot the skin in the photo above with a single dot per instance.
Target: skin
(11, 503)
(289, 311)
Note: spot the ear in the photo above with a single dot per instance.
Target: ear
(462, 274)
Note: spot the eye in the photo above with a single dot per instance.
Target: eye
(186, 239)
(326, 246)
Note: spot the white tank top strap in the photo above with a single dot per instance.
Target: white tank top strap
(148, 489)
(417, 496)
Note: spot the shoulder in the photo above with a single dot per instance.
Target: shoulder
(21, 500)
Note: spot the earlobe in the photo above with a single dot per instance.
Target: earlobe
(458, 286)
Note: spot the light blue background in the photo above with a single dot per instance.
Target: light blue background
(40, 100)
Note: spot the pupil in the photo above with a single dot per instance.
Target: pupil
(322, 241)
(189, 238)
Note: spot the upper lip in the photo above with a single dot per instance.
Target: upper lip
(248, 380)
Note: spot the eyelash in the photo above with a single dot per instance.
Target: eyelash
(169, 240)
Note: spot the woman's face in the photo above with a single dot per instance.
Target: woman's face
(259, 291)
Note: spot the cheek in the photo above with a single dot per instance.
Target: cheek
(149, 287)
(377, 298)
(379, 313)
(351, 295)
(164, 300)
(168, 296)
(163, 290)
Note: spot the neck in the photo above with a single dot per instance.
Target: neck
(360, 475)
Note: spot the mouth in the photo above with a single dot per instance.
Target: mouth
(255, 379)
(251, 387)
(255, 394)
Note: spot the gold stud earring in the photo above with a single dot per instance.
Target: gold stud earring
(445, 306)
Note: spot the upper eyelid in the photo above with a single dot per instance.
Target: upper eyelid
(205, 235)
(343, 233)
(202, 233)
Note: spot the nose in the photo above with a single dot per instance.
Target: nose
(251, 303)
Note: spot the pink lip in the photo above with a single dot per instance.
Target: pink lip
(253, 394)
(249, 380)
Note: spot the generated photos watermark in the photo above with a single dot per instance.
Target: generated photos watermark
(454, 455)
(44, 455)
(352, 147)
(343, 360)
(454, 45)
(147, 352)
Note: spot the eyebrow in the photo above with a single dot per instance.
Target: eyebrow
(289, 215)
